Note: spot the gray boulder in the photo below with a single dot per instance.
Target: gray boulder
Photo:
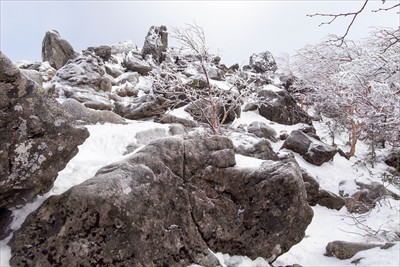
(329, 200)
(156, 43)
(103, 51)
(167, 205)
(37, 138)
(133, 63)
(263, 62)
(89, 116)
(311, 149)
(315, 195)
(142, 107)
(345, 250)
(366, 197)
(262, 130)
(280, 107)
(56, 50)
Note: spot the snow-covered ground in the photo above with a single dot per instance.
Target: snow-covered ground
(107, 144)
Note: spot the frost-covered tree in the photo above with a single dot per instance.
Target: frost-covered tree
(356, 84)
(214, 104)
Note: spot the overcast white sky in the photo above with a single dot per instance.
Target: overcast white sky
(234, 29)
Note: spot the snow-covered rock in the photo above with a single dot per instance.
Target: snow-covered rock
(263, 62)
(156, 43)
(168, 204)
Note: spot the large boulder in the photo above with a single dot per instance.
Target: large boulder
(311, 149)
(263, 62)
(37, 138)
(156, 43)
(167, 205)
(279, 106)
(56, 50)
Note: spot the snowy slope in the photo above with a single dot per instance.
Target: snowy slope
(107, 144)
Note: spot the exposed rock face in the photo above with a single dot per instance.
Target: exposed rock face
(345, 250)
(5, 221)
(262, 130)
(142, 107)
(280, 107)
(263, 62)
(165, 206)
(56, 50)
(37, 140)
(312, 150)
(156, 43)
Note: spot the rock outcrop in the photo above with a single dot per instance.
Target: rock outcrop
(311, 149)
(37, 139)
(263, 62)
(279, 106)
(166, 206)
(156, 43)
(56, 50)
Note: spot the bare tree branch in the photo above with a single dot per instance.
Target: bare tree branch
(386, 9)
(335, 16)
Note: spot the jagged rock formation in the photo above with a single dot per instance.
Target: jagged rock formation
(37, 139)
(156, 43)
(263, 62)
(56, 50)
(165, 206)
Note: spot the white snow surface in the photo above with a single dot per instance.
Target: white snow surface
(107, 144)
